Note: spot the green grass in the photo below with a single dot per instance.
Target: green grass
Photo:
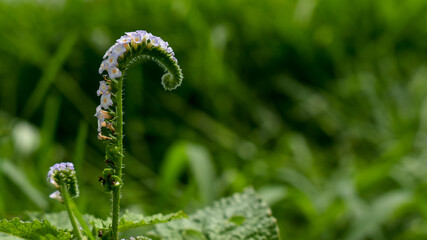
(320, 105)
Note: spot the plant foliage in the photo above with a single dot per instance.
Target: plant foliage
(34, 230)
(241, 216)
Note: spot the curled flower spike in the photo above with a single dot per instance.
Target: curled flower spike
(127, 50)
(140, 44)
(63, 173)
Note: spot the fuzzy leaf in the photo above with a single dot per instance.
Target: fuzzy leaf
(61, 220)
(35, 230)
(137, 238)
(133, 220)
(4, 236)
(241, 216)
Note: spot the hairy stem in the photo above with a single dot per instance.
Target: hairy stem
(116, 191)
(68, 203)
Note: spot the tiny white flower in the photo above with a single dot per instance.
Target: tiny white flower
(103, 67)
(155, 41)
(142, 32)
(118, 49)
(103, 88)
(136, 37)
(100, 125)
(99, 114)
(124, 39)
(114, 72)
(106, 100)
(163, 44)
(107, 53)
(169, 50)
(56, 195)
(112, 60)
(101, 117)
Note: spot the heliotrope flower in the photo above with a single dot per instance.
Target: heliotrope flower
(124, 39)
(114, 72)
(101, 115)
(155, 40)
(106, 100)
(136, 37)
(118, 49)
(103, 88)
(164, 44)
(112, 60)
(56, 195)
(103, 67)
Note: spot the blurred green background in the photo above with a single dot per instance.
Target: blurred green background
(320, 105)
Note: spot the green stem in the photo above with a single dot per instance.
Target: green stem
(82, 221)
(119, 130)
(68, 202)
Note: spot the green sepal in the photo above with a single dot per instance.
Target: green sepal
(34, 230)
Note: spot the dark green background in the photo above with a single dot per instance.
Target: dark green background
(318, 104)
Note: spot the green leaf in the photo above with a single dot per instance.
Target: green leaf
(35, 230)
(133, 220)
(4, 236)
(241, 216)
(61, 220)
(138, 238)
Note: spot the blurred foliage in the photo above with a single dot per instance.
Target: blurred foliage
(320, 105)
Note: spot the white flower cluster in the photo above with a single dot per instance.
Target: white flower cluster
(106, 102)
(131, 39)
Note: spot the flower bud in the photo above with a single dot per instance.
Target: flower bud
(63, 173)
